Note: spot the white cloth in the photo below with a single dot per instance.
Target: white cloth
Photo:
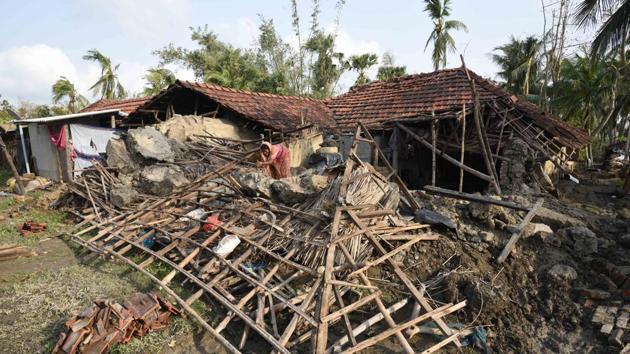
(88, 142)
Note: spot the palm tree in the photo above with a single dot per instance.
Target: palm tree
(64, 89)
(519, 63)
(361, 63)
(108, 85)
(614, 33)
(157, 80)
(438, 10)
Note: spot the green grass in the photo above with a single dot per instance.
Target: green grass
(17, 213)
(33, 310)
(35, 303)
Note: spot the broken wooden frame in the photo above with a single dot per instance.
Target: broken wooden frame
(265, 288)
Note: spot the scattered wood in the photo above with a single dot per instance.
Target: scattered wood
(517, 235)
(289, 278)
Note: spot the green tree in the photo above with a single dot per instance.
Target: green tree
(441, 38)
(614, 32)
(157, 80)
(5, 106)
(519, 61)
(279, 61)
(216, 62)
(108, 86)
(64, 89)
(362, 63)
(388, 70)
(327, 66)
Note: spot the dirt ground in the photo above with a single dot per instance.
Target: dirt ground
(521, 307)
(38, 294)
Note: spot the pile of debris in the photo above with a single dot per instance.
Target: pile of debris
(325, 267)
(348, 258)
(97, 328)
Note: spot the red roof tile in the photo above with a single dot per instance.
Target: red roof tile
(441, 91)
(274, 111)
(126, 106)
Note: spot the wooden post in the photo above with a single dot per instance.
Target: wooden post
(433, 139)
(453, 161)
(461, 155)
(478, 125)
(519, 231)
(9, 160)
(396, 151)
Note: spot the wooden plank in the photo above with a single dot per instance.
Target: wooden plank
(436, 313)
(346, 320)
(517, 235)
(353, 306)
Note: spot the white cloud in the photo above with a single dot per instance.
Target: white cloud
(28, 73)
(147, 19)
(242, 33)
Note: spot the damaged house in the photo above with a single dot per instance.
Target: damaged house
(56, 146)
(198, 109)
(238, 114)
(457, 130)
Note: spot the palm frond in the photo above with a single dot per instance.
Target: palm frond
(431, 38)
(433, 8)
(455, 25)
(613, 31)
(588, 12)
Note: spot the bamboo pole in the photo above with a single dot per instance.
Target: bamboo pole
(423, 141)
(461, 155)
(478, 126)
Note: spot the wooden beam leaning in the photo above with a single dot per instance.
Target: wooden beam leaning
(478, 124)
(517, 235)
(445, 156)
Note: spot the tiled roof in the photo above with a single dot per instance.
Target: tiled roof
(274, 111)
(441, 91)
(126, 106)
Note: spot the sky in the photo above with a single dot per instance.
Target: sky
(41, 40)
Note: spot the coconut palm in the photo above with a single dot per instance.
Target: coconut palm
(64, 89)
(443, 43)
(108, 85)
(614, 33)
(519, 61)
(157, 80)
(361, 63)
